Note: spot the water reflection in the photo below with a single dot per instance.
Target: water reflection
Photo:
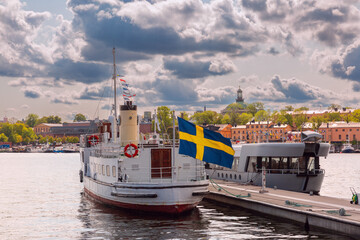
(207, 221)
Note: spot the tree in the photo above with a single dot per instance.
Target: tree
(3, 138)
(261, 115)
(165, 118)
(32, 119)
(255, 107)
(184, 115)
(288, 108)
(301, 109)
(54, 119)
(79, 118)
(334, 107)
(316, 122)
(299, 119)
(245, 118)
(207, 117)
(355, 115)
(331, 117)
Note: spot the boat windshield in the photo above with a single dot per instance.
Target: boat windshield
(284, 165)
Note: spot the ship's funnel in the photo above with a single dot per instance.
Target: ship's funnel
(128, 124)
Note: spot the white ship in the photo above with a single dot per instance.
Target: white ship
(288, 166)
(118, 168)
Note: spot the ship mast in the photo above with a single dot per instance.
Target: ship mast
(115, 105)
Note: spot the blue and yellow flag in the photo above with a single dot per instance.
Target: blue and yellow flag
(205, 145)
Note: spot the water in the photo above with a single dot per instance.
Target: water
(41, 198)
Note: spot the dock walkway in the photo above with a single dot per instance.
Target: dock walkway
(311, 210)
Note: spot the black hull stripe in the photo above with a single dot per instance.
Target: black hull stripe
(147, 187)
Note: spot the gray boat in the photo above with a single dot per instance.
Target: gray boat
(288, 166)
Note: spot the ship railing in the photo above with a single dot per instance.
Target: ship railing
(294, 171)
(166, 174)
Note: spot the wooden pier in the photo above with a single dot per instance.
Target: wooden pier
(329, 213)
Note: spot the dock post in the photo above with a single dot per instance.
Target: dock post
(263, 181)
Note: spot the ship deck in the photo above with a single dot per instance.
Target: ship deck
(310, 210)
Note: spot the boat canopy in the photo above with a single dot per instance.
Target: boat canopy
(310, 136)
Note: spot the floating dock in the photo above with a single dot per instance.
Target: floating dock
(329, 213)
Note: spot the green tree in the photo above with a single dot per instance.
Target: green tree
(288, 108)
(79, 118)
(244, 118)
(54, 119)
(165, 118)
(184, 115)
(334, 107)
(301, 109)
(299, 119)
(226, 119)
(355, 115)
(316, 122)
(332, 117)
(31, 120)
(255, 107)
(262, 115)
(3, 138)
(207, 117)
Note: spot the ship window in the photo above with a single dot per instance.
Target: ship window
(226, 176)
(230, 176)
(235, 176)
(103, 170)
(218, 175)
(251, 164)
(108, 170)
(222, 175)
(239, 177)
(114, 171)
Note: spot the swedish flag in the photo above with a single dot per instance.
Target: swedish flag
(205, 145)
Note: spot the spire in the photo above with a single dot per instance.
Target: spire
(239, 96)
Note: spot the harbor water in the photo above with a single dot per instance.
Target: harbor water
(42, 198)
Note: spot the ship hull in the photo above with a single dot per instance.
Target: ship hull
(164, 198)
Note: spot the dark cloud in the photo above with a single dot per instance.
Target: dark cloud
(84, 72)
(356, 87)
(273, 51)
(347, 65)
(176, 91)
(255, 5)
(293, 91)
(30, 93)
(197, 69)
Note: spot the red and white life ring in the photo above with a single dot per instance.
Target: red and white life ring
(93, 140)
(130, 153)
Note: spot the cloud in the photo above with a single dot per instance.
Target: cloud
(32, 92)
(291, 91)
(344, 65)
(63, 100)
(191, 68)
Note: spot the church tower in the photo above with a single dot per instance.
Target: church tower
(239, 98)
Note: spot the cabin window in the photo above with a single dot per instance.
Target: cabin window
(230, 176)
(234, 176)
(222, 175)
(226, 176)
(113, 171)
(311, 164)
(108, 170)
(251, 164)
(103, 170)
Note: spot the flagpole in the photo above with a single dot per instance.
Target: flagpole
(173, 151)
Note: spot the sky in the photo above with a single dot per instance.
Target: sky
(56, 56)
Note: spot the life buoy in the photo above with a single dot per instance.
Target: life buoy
(93, 140)
(131, 154)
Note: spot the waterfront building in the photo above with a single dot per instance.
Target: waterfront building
(147, 116)
(223, 129)
(74, 129)
(339, 132)
(238, 133)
